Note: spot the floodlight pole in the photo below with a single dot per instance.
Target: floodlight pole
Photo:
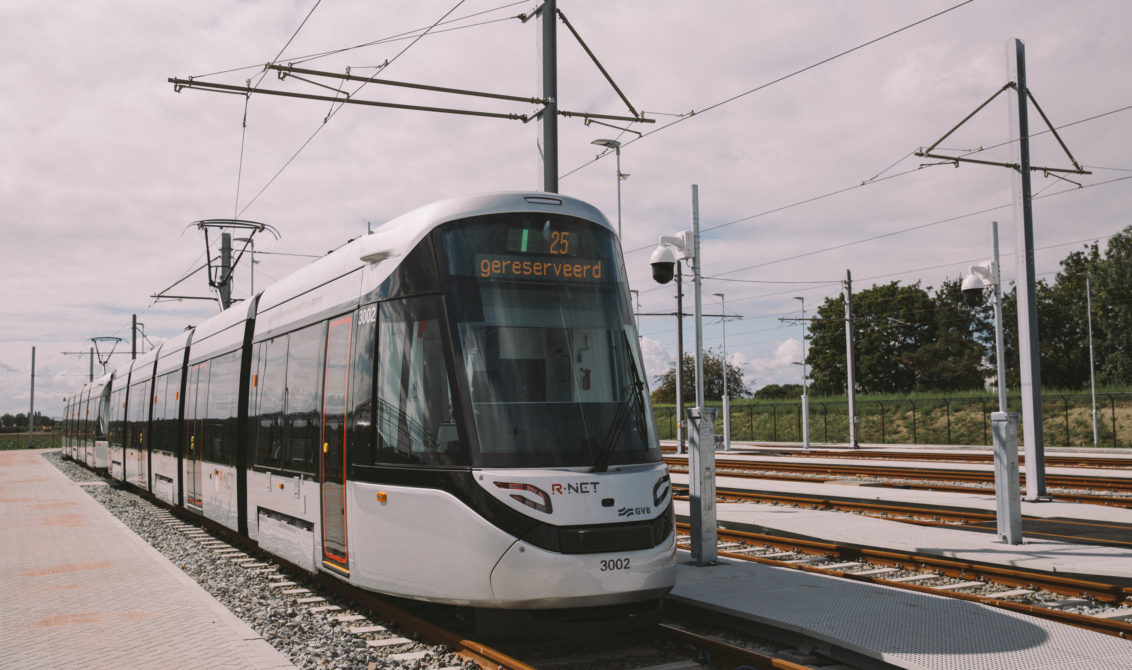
(850, 366)
(1092, 364)
(31, 410)
(680, 447)
(1028, 352)
(726, 399)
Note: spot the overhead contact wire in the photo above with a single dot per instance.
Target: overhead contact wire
(779, 80)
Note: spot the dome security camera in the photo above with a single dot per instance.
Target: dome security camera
(663, 263)
(972, 290)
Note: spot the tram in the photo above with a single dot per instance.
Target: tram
(450, 409)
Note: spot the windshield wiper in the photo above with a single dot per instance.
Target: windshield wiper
(635, 388)
(618, 425)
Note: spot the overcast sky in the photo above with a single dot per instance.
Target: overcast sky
(103, 166)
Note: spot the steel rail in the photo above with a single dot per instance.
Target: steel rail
(919, 515)
(1085, 498)
(1108, 593)
(727, 655)
(1062, 461)
(923, 474)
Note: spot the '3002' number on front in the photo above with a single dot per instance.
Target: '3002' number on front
(615, 564)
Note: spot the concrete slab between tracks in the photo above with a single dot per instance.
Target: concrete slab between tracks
(975, 501)
(1034, 553)
(906, 629)
(81, 590)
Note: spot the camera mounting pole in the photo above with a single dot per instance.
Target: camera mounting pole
(701, 452)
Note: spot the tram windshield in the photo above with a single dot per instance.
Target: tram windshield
(544, 337)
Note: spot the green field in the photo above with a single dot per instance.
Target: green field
(922, 418)
(41, 440)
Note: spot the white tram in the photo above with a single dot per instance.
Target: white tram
(450, 409)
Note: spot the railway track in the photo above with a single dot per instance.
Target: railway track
(1059, 460)
(397, 634)
(935, 479)
(1066, 530)
(410, 633)
(1030, 592)
(983, 457)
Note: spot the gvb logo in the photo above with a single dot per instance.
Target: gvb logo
(634, 511)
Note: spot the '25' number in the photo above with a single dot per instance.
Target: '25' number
(559, 242)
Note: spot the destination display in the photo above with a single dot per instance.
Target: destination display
(524, 267)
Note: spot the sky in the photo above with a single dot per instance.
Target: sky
(796, 121)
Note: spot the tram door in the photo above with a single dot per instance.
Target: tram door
(333, 432)
(196, 399)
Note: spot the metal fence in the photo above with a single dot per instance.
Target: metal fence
(1066, 420)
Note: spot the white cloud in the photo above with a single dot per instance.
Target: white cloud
(103, 165)
(657, 359)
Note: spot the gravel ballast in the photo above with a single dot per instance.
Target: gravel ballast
(310, 638)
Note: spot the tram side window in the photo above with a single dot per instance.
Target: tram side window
(103, 424)
(360, 413)
(137, 414)
(304, 358)
(83, 416)
(168, 395)
(117, 417)
(415, 417)
(220, 416)
(270, 388)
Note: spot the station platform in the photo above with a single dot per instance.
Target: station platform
(905, 629)
(81, 590)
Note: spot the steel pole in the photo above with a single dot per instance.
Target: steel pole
(805, 386)
(550, 93)
(726, 396)
(679, 358)
(701, 455)
(1028, 351)
(31, 410)
(618, 151)
(998, 347)
(850, 367)
(1092, 364)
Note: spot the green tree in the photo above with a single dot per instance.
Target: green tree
(665, 385)
(1112, 306)
(779, 392)
(1063, 318)
(7, 421)
(954, 358)
(905, 340)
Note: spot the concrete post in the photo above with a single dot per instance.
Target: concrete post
(1004, 427)
(701, 484)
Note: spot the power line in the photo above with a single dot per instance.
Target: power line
(914, 228)
(778, 80)
(392, 38)
(332, 113)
